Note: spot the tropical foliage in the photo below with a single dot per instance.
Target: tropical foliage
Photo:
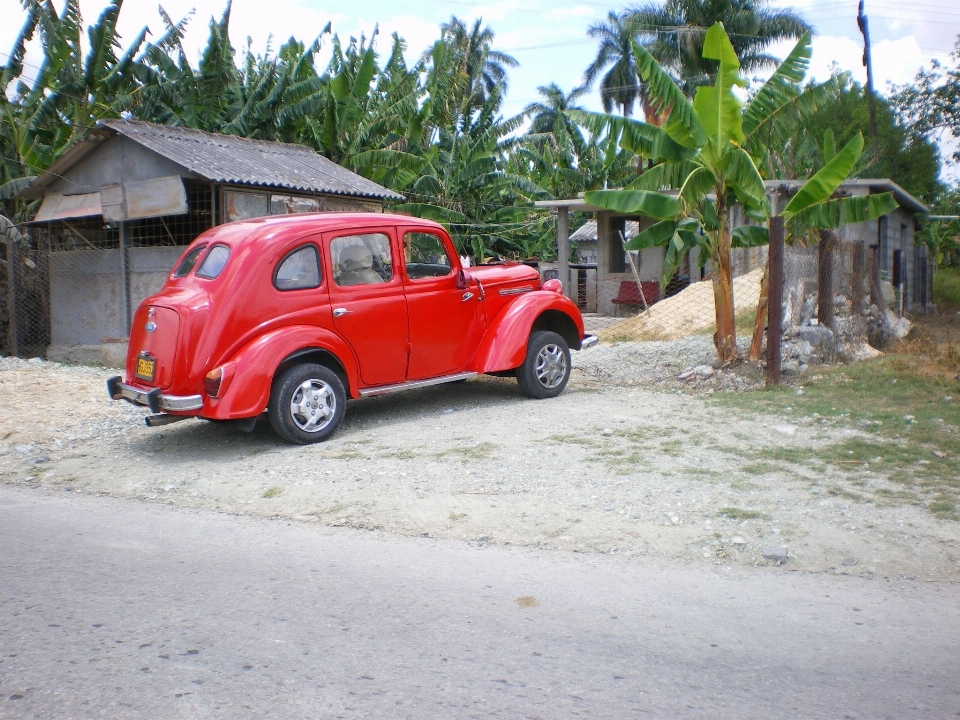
(702, 153)
(433, 130)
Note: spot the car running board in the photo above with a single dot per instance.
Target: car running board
(384, 389)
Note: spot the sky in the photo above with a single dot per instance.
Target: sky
(547, 37)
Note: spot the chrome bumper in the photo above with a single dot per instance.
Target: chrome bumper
(153, 399)
(588, 341)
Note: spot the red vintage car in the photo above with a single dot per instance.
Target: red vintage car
(295, 314)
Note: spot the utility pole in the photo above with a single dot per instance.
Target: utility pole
(868, 64)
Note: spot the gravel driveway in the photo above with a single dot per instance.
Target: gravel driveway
(613, 465)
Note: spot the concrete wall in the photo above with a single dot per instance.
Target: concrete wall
(86, 291)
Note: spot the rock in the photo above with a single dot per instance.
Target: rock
(888, 293)
(850, 561)
(776, 554)
(674, 519)
(704, 370)
(738, 541)
(786, 429)
(686, 374)
(940, 454)
(38, 460)
(790, 367)
(23, 449)
(608, 507)
(817, 336)
(897, 327)
(607, 432)
(857, 351)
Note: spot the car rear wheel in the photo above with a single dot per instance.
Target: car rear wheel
(307, 404)
(546, 368)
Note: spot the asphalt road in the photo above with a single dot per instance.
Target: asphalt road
(117, 609)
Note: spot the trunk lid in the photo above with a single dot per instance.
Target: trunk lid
(153, 346)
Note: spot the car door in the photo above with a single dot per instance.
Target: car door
(368, 303)
(444, 319)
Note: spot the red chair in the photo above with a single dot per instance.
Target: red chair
(630, 295)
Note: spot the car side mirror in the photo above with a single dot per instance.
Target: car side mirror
(463, 279)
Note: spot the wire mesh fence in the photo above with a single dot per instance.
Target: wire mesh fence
(68, 290)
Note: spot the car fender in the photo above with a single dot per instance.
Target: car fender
(504, 344)
(248, 375)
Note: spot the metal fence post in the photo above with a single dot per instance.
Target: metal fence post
(775, 301)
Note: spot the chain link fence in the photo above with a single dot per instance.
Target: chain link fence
(67, 292)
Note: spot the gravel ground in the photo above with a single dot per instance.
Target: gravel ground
(623, 462)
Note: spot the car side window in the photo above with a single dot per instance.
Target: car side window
(186, 265)
(426, 256)
(298, 270)
(214, 262)
(361, 259)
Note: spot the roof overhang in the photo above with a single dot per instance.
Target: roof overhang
(130, 201)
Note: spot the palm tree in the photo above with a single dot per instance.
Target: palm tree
(548, 116)
(621, 84)
(673, 34)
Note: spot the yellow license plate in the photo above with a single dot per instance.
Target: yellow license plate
(146, 367)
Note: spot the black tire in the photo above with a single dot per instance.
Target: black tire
(546, 368)
(301, 389)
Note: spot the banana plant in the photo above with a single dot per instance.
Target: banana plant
(703, 155)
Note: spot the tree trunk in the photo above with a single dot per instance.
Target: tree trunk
(761, 320)
(725, 339)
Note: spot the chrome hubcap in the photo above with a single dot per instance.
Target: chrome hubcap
(313, 405)
(551, 366)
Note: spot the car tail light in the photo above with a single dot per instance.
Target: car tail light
(211, 383)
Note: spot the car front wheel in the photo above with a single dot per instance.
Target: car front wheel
(307, 404)
(546, 368)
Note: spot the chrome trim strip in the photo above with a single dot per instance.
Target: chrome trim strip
(384, 389)
(516, 291)
(170, 403)
(588, 341)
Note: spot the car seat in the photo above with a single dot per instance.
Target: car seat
(355, 267)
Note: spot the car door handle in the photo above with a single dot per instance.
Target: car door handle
(337, 312)
(466, 296)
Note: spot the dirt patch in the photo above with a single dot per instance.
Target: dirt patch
(630, 471)
(688, 312)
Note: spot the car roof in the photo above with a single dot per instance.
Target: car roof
(281, 228)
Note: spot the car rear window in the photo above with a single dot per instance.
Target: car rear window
(214, 262)
(300, 269)
(186, 265)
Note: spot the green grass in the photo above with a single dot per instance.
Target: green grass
(468, 453)
(272, 492)
(740, 514)
(946, 286)
(912, 428)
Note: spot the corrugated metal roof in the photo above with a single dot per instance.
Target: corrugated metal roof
(588, 231)
(231, 159)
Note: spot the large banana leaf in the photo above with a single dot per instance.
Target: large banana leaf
(665, 176)
(716, 106)
(682, 123)
(822, 185)
(657, 234)
(781, 87)
(745, 180)
(640, 138)
(432, 212)
(747, 236)
(696, 186)
(841, 211)
(635, 202)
